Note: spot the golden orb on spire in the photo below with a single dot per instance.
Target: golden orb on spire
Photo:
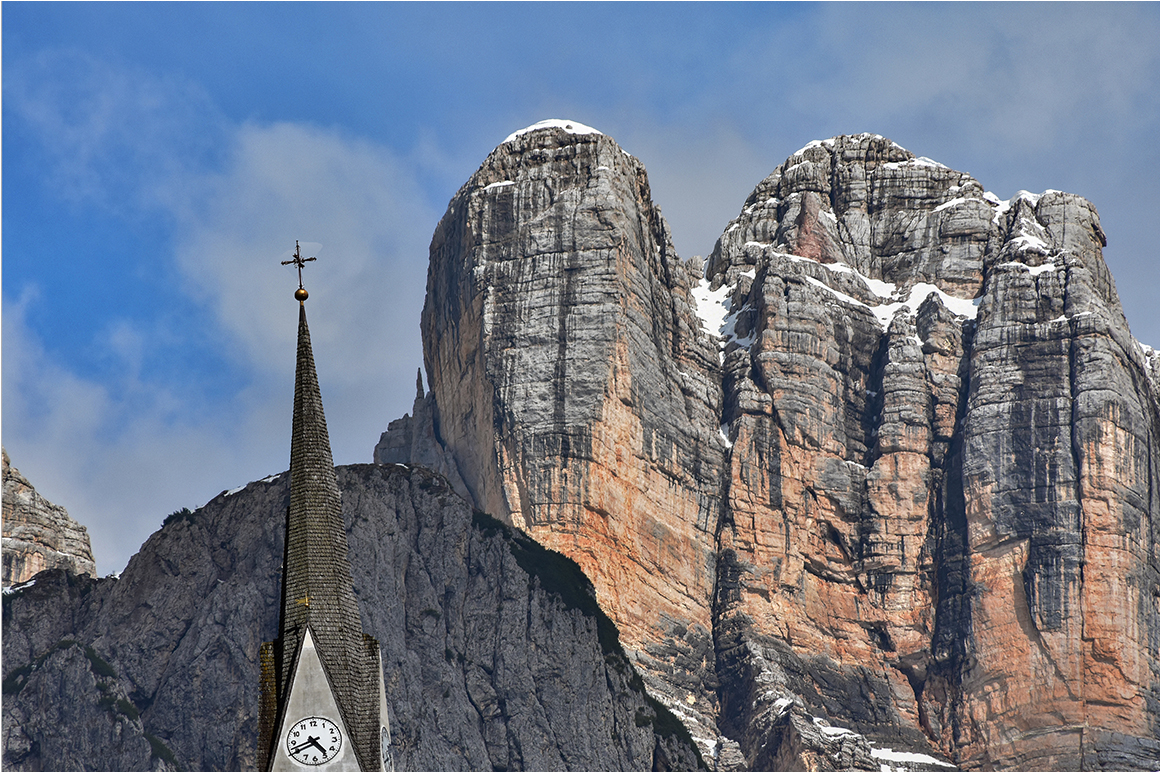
(298, 261)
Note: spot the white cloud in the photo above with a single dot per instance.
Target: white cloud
(112, 456)
(122, 448)
(1022, 76)
(362, 208)
(355, 200)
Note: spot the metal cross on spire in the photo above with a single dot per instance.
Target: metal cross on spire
(299, 262)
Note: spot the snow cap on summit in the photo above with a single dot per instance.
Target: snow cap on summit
(572, 127)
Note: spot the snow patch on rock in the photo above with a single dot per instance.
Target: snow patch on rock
(906, 757)
(10, 589)
(1033, 270)
(712, 305)
(885, 312)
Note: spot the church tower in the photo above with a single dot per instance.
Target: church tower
(323, 704)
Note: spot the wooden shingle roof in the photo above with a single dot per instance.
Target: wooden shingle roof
(317, 590)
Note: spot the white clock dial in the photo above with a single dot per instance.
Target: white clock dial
(313, 741)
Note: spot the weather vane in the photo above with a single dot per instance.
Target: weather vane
(300, 294)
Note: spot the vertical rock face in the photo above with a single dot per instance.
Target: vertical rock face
(943, 478)
(575, 389)
(1060, 484)
(39, 535)
(848, 287)
(931, 513)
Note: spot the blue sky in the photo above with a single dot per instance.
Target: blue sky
(159, 160)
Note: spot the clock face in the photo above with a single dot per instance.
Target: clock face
(313, 741)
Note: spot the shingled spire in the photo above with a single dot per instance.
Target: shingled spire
(323, 704)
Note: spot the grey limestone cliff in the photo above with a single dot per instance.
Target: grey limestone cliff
(494, 651)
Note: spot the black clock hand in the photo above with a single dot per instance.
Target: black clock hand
(310, 739)
(313, 740)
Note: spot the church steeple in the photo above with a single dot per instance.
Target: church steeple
(323, 704)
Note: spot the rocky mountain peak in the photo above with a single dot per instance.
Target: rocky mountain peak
(867, 203)
(39, 535)
(550, 151)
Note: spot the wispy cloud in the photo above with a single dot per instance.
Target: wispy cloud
(111, 453)
(354, 199)
(113, 134)
(142, 441)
